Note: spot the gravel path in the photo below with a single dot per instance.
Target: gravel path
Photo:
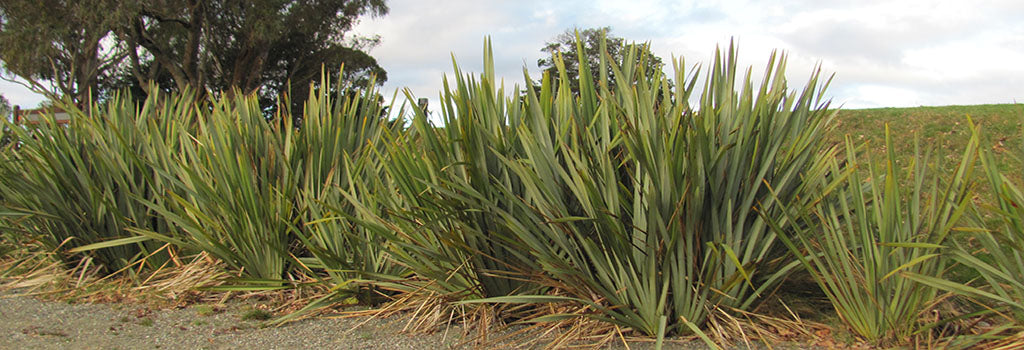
(30, 323)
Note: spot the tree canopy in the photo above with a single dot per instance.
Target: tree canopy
(565, 44)
(5, 107)
(62, 42)
(211, 45)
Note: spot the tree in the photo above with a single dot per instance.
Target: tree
(65, 44)
(255, 46)
(5, 107)
(6, 110)
(565, 45)
(209, 45)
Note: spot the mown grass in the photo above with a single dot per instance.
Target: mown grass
(944, 131)
(941, 128)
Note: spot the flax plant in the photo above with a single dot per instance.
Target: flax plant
(450, 181)
(872, 236)
(651, 211)
(235, 190)
(414, 231)
(997, 254)
(80, 182)
(339, 148)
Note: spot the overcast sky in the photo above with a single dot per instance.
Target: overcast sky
(884, 53)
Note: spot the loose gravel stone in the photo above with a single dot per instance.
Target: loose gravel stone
(30, 323)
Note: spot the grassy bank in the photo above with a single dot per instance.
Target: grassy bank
(941, 128)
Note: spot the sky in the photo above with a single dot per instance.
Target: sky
(893, 53)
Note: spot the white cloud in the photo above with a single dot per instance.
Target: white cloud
(868, 95)
(419, 39)
(18, 95)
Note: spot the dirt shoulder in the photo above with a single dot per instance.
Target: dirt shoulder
(30, 323)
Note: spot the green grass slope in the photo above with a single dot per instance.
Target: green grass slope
(941, 129)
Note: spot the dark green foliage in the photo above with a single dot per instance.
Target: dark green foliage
(98, 46)
(257, 46)
(566, 47)
(63, 42)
